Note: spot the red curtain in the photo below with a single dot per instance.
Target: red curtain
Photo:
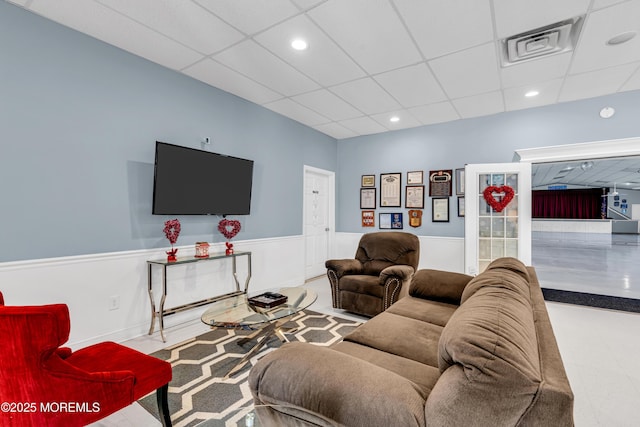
(578, 204)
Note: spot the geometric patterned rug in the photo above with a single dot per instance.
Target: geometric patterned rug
(198, 393)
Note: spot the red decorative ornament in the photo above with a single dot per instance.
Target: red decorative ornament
(172, 231)
(229, 228)
(498, 206)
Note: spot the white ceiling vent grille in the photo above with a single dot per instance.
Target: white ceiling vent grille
(550, 40)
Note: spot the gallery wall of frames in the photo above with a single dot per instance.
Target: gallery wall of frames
(382, 197)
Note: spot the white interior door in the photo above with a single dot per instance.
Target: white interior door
(319, 219)
(493, 227)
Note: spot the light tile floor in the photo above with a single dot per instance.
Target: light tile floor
(599, 347)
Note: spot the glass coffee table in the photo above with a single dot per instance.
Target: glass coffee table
(237, 312)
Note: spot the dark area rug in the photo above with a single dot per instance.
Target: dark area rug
(198, 391)
(592, 300)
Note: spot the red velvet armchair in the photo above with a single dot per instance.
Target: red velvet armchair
(43, 384)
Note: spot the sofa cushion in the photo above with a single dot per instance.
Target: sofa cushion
(399, 335)
(428, 311)
(362, 284)
(424, 376)
(439, 285)
(488, 354)
(513, 272)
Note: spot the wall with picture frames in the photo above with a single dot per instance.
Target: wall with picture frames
(393, 173)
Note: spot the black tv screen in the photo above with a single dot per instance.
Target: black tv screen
(196, 182)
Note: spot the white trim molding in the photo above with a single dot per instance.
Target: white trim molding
(584, 150)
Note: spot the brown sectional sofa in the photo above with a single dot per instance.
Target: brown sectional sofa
(458, 351)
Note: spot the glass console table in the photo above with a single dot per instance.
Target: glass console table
(161, 311)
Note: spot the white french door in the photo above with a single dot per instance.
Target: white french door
(495, 226)
(319, 219)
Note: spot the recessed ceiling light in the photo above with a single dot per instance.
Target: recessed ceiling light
(299, 44)
(607, 112)
(531, 93)
(621, 38)
(394, 119)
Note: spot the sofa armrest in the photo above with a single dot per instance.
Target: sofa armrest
(327, 387)
(439, 285)
(404, 272)
(343, 267)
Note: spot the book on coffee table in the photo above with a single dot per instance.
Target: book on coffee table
(268, 300)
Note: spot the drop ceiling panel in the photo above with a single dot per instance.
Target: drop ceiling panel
(596, 83)
(254, 61)
(435, 113)
(328, 104)
(219, 76)
(366, 95)
(297, 112)
(537, 70)
(406, 120)
(183, 21)
(323, 61)
(335, 130)
(412, 86)
(634, 81)
(369, 31)
(251, 16)
(593, 53)
(470, 72)
(111, 27)
(442, 27)
(517, 16)
(479, 105)
(515, 98)
(363, 126)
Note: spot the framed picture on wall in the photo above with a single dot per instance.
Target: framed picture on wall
(368, 181)
(460, 182)
(461, 206)
(390, 220)
(440, 183)
(440, 209)
(414, 196)
(415, 178)
(368, 219)
(367, 198)
(390, 184)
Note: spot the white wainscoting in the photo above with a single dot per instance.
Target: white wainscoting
(440, 253)
(86, 284)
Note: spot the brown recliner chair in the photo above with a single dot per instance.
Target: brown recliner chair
(379, 274)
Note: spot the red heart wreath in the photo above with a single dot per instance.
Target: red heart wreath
(229, 228)
(172, 230)
(498, 206)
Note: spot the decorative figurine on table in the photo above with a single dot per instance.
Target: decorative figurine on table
(229, 229)
(172, 231)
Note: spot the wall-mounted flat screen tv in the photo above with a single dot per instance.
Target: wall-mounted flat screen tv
(188, 181)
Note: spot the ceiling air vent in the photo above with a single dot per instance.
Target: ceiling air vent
(550, 40)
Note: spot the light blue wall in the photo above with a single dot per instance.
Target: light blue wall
(451, 145)
(78, 125)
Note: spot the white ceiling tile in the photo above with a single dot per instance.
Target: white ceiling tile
(363, 125)
(183, 21)
(411, 86)
(335, 130)
(251, 16)
(111, 27)
(435, 113)
(517, 16)
(599, 4)
(323, 61)
(442, 27)
(297, 112)
(406, 120)
(479, 105)
(596, 83)
(366, 95)
(470, 72)
(219, 76)
(306, 4)
(537, 70)
(327, 104)
(369, 31)
(262, 66)
(634, 81)
(548, 94)
(18, 2)
(593, 53)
